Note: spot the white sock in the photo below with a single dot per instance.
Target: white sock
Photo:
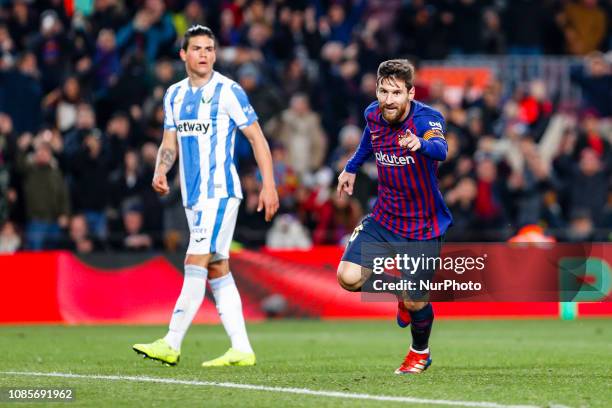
(229, 307)
(187, 304)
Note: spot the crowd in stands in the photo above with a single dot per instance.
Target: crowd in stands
(81, 87)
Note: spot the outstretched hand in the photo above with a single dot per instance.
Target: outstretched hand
(410, 141)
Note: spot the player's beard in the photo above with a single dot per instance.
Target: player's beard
(394, 117)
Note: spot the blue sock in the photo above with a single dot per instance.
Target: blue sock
(422, 320)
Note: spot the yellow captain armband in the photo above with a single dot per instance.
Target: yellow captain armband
(433, 133)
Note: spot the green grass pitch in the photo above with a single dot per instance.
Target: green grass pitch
(510, 362)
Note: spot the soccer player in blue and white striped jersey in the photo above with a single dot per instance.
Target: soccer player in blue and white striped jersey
(202, 114)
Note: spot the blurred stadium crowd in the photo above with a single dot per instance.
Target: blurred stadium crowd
(81, 86)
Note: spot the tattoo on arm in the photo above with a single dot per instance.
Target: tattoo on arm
(166, 158)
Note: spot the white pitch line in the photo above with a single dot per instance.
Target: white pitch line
(303, 391)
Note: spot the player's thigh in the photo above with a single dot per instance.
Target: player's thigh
(365, 244)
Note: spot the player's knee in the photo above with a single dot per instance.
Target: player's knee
(414, 306)
(200, 260)
(349, 276)
(218, 269)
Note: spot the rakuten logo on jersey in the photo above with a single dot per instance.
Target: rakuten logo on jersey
(393, 160)
(193, 126)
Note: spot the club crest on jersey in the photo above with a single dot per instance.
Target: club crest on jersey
(189, 108)
(392, 160)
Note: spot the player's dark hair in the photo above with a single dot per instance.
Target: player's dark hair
(195, 31)
(399, 69)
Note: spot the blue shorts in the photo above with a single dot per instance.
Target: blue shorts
(371, 244)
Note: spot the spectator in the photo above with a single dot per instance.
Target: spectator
(418, 25)
(299, 129)
(150, 32)
(109, 14)
(460, 200)
(535, 108)
(53, 51)
(337, 218)
(252, 228)
(119, 137)
(192, 14)
(526, 185)
(21, 94)
(151, 205)
(594, 77)
(164, 77)
(45, 194)
(581, 228)
(365, 186)
(85, 123)
(65, 104)
(107, 66)
(135, 239)
(589, 175)
(90, 187)
(131, 88)
(284, 175)
(529, 15)
(9, 239)
(493, 37)
(7, 147)
(8, 50)
(591, 136)
(79, 239)
(287, 233)
(22, 24)
(297, 34)
(264, 97)
(295, 80)
(584, 23)
(228, 34)
(488, 207)
(466, 31)
(337, 26)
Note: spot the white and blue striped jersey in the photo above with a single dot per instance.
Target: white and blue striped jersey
(205, 120)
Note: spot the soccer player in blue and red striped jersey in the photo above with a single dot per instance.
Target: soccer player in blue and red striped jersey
(407, 139)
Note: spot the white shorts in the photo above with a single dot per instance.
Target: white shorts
(211, 227)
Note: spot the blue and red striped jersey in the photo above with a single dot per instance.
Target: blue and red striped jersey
(409, 201)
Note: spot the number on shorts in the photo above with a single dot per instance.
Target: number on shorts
(356, 232)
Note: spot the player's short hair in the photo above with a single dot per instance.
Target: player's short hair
(400, 69)
(195, 31)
